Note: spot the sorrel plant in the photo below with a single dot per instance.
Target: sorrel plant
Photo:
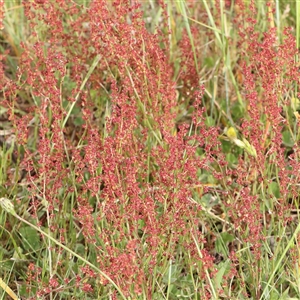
(149, 150)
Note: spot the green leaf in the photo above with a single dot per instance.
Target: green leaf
(274, 189)
(232, 159)
(172, 273)
(209, 122)
(18, 254)
(222, 241)
(237, 111)
(30, 238)
(224, 267)
(209, 62)
(80, 249)
(226, 146)
(78, 121)
(287, 139)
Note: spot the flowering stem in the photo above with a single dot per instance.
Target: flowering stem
(91, 69)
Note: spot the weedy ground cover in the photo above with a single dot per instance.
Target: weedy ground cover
(149, 150)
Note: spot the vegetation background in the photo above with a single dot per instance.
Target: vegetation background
(149, 149)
